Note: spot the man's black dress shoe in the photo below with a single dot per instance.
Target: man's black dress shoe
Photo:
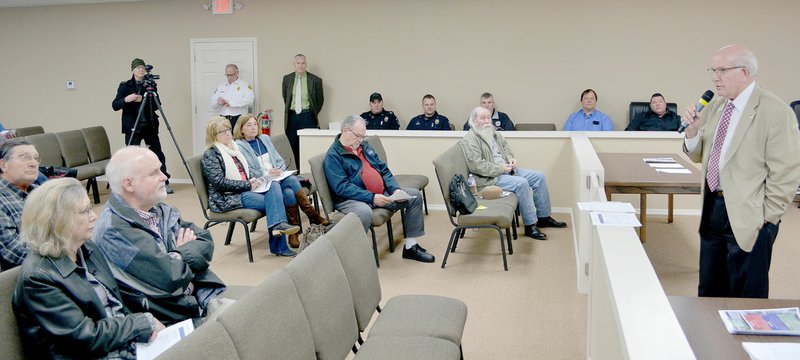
(416, 253)
(533, 231)
(550, 222)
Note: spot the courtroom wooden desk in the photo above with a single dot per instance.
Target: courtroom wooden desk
(629, 174)
(706, 333)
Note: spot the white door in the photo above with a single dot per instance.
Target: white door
(209, 57)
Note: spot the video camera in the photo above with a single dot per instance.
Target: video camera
(149, 80)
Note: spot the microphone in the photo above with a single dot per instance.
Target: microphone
(697, 108)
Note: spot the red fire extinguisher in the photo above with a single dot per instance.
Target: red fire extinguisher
(266, 121)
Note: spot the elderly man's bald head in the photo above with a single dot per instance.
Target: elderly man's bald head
(135, 174)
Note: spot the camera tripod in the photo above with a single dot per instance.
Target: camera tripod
(150, 97)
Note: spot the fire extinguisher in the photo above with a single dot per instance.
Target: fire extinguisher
(266, 121)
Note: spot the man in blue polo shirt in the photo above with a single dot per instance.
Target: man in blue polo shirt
(588, 118)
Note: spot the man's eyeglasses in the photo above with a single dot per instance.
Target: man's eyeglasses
(27, 158)
(224, 131)
(358, 136)
(720, 72)
(229, 75)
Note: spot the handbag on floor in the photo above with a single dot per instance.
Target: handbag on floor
(312, 233)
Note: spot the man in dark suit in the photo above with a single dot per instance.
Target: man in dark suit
(303, 98)
(750, 149)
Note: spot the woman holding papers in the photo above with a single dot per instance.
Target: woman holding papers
(66, 301)
(263, 158)
(232, 184)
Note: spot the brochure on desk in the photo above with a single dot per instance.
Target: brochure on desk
(785, 321)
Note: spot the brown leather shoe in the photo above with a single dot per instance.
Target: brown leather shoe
(294, 241)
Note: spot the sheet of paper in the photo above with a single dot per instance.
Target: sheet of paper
(674, 171)
(267, 180)
(666, 165)
(607, 206)
(401, 195)
(659, 160)
(772, 351)
(614, 219)
(166, 338)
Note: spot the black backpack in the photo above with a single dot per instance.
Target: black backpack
(461, 199)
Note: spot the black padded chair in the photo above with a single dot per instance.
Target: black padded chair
(638, 107)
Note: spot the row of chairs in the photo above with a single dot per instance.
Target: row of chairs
(87, 150)
(321, 304)
(240, 216)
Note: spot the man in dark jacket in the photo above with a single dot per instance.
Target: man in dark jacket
(360, 181)
(500, 120)
(130, 95)
(658, 118)
(302, 99)
(160, 261)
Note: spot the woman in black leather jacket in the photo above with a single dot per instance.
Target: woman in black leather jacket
(66, 301)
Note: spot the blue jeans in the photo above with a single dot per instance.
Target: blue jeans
(415, 222)
(271, 204)
(521, 183)
(290, 186)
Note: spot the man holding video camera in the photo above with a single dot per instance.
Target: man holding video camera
(130, 95)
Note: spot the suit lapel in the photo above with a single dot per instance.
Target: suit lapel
(745, 121)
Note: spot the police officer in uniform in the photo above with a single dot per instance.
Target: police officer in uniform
(129, 98)
(232, 97)
(429, 119)
(378, 118)
(500, 120)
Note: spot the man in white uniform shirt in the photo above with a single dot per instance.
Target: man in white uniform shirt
(233, 97)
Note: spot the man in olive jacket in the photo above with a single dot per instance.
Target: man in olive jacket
(303, 98)
(160, 261)
(490, 160)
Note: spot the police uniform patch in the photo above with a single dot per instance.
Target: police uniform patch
(250, 87)
(436, 122)
(497, 123)
(238, 88)
(385, 118)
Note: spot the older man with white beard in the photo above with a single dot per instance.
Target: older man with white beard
(491, 162)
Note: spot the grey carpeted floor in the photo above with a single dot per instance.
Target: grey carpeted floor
(533, 311)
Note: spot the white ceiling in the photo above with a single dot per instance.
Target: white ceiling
(24, 3)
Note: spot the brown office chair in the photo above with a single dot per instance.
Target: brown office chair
(380, 216)
(499, 213)
(281, 143)
(76, 155)
(232, 217)
(535, 127)
(418, 182)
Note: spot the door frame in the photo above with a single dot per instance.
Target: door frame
(192, 57)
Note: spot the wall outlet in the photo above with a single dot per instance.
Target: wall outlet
(70, 85)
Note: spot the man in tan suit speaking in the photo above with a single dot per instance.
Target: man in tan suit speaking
(750, 149)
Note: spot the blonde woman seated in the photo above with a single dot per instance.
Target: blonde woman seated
(67, 303)
(264, 158)
(231, 185)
